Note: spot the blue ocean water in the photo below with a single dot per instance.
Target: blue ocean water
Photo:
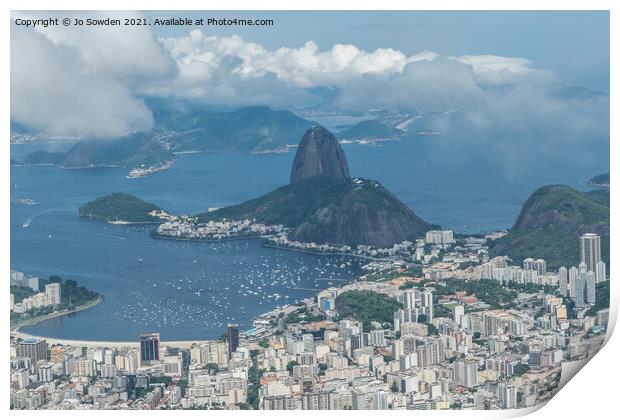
(191, 290)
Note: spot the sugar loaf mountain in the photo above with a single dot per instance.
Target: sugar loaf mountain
(323, 204)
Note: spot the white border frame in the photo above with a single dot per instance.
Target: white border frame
(593, 393)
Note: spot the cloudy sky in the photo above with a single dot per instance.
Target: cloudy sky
(505, 71)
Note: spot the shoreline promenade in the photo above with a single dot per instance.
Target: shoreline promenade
(183, 344)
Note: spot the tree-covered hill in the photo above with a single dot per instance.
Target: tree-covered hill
(367, 306)
(551, 222)
(120, 207)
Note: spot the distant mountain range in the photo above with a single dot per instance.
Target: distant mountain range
(252, 129)
(182, 127)
(550, 223)
(257, 128)
(128, 151)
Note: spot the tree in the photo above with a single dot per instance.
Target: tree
(212, 367)
(322, 368)
(289, 366)
(367, 306)
(394, 388)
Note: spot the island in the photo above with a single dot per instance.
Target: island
(122, 208)
(372, 130)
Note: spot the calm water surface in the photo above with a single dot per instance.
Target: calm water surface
(191, 290)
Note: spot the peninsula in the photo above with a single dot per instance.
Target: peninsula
(122, 208)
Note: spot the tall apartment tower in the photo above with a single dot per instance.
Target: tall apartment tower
(563, 280)
(33, 348)
(52, 293)
(466, 372)
(233, 338)
(149, 347)
(590, 250)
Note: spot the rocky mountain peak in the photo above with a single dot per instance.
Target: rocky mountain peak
(319, 153)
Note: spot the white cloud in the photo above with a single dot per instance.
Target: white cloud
(54, 92)
(83, 81)
(497, 70)
(126, 53)
(86, 82)
(199, 58)
(221, 70)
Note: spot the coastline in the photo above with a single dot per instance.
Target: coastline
(267, 245)
(183, 344)
(304, 251)
(595, 185)
(114, 222)
(33, 321)
(154, 235)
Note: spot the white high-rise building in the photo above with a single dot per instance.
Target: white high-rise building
(380, 400)
(426, 299)
(377, 338)
(590, 287)
(573, 272)
(507, 395)
(439, 237)
(590, 250)
(466, 372)
(601, 271)
(410, 298)
(563, 281)
(528, 264)
(578, 287)
(458, 311)
(583, 268)
(52, 293)
(540, 265)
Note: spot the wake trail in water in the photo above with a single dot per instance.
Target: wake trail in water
(29, 221)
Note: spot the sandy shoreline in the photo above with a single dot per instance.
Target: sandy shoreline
(117, 344)
(184, 344)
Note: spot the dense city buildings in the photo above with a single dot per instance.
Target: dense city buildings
(449, 328)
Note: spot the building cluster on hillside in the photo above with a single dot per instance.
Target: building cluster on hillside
(190, 228)
(431, 350)
(282, 240)
(51, 296)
